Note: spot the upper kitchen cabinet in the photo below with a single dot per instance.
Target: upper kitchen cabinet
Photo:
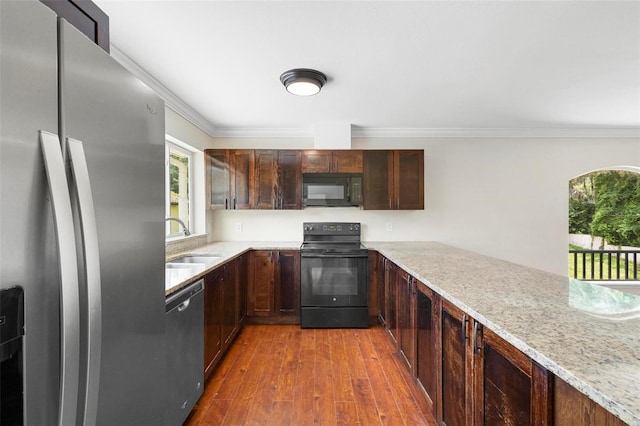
(88, 18)
(266, 178)
(289, 191)
(327, 161)
(218, 184)
(253, 179)
(277, 179)
(230, 176)
(242, 163)
(393, 180)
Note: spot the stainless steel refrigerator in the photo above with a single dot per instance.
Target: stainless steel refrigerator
(81, 224)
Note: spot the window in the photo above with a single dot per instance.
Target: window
(178, 186)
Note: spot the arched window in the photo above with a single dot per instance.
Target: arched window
(604, 227)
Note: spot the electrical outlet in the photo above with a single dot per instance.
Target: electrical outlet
(239, 226)
(389, 226)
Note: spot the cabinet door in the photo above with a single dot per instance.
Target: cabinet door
(316, 161)
(428, 350)
(347, 161)
(243, 280)
(378, 180)
(406, 309)
(212, 319)
(265, 179)
(374, 284)
(242, 178)
(260, 293)
(510, 388)
(288, 283)
(409, 180)
(217, 170)
(456, 368)
(289, 179)
(391, 277)
(230, 303)
(382, 296)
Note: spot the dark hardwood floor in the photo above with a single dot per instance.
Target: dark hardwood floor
(284, 375)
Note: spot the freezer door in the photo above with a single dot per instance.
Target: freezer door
(120, 123)
(28, 103)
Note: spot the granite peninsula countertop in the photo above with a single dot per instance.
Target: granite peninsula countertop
(587, 335)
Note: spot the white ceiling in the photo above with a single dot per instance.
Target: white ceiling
(394, 67)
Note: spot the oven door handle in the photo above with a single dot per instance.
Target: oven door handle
(335, 255)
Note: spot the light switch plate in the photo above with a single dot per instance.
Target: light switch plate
(389, 226)
(239, 226)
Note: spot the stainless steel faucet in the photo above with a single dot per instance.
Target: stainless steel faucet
(186, 230)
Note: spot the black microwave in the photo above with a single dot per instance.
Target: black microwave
(331, 189)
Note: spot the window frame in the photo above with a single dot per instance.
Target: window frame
(176, 145)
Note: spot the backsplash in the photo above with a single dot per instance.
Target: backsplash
(185, 244)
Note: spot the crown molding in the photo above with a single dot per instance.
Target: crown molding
(380, 132)
(263, 132)
(171, 100)
(391, 132)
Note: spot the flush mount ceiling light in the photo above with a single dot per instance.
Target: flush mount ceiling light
(303, 81)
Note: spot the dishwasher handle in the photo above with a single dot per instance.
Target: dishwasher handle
(181, 298)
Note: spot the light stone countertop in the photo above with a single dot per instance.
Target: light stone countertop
(595, 347)
(175, 279)
(587, 335)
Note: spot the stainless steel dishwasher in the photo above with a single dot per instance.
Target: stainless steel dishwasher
(184, 322)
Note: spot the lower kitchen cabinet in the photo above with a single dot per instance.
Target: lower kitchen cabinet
(510, 388)
(224, 291)
(571, 407)
(456, 367)
(376, 285)
(391, 278)
(273, 294)
(212, 320)
(428, 344)
(406, 299)
(486, 380)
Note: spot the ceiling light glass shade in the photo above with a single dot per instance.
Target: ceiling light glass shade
(303, 81)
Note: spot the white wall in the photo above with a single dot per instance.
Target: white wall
(506, 198)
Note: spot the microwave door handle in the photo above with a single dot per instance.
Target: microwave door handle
(69, 289)
(92, 269)
(348, 189)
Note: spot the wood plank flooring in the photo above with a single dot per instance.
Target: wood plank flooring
(284, 375)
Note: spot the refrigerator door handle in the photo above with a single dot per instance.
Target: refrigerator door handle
(92, 269)
(69, 291)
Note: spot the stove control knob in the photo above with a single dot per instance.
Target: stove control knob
(308, 227)
(357, 226)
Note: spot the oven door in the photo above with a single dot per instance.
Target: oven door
(333, 280)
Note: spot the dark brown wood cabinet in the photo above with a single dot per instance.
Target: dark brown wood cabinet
(376, 285)
(213, 301)
(224, 291)
(456, 372)
(266, 179)
(253, 179)
(571, 407)
(273, 294)
(391, 283)
(242, 165)
(509, 387)
(329, 161)
(218, 183)
(406, 296)
(289, 192)
(428, 344)
(393, 180)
